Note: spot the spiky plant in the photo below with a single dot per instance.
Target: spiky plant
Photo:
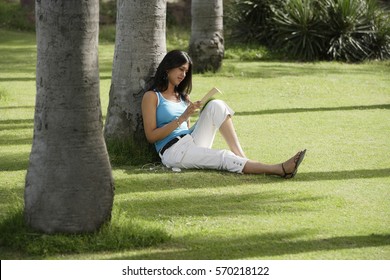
(380, 40)
(299, 29)
(350, 25)
(251, 20)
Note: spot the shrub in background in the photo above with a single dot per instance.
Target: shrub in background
(250, 21)
(379, 43)
(107, 12)
(350, 24)
(299, 29)
(358, 30)
(345, 30)
(13, 16)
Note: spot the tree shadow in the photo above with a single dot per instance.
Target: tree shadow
(10, 140)
(105, 77)
(17, 79)
(212, 204)
(262, 246)
(10, 196)
(151, 181)
(17, 238)
(251, 202)
(343, 175)
(14, 162)
(16, 124)
(12, 108)
(139, 180)
(319, 109)
(18, 56)
(277, 69)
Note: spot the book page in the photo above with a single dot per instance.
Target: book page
(209, 95)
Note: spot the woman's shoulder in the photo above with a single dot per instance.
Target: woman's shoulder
(150, 97)
(150, 94)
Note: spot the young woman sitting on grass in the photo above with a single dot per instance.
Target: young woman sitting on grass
(166, 110)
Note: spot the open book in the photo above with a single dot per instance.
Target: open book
(209, 95)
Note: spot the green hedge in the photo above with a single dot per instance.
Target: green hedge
(13, 16)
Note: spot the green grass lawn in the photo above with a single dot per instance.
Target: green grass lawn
(337, 207)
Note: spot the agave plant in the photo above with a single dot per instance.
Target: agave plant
(300, 30)
(380, 39)
(350, 29)
(250, 20)
(347, 30)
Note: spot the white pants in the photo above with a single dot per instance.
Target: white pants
(194, 150)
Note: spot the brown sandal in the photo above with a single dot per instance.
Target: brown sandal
(297, 163)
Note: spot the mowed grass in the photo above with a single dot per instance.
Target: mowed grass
(336, 208)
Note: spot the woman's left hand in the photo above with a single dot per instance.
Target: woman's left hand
(192, 108)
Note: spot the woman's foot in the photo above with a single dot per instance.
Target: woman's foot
(290, 167)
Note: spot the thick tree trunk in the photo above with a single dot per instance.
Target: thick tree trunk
(140, 46)
(207, 43)
(69, 186)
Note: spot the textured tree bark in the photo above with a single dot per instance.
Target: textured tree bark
(139, 47)
(69, 185)
(207, 43)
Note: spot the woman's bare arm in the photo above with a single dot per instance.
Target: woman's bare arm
(149, 108)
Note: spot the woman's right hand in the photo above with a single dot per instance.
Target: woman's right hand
(192, 108)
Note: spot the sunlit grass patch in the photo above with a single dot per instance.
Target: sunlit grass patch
(337, 207)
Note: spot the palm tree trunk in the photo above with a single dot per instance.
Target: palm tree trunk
(140, 46)
(207, 43)
(69, 185)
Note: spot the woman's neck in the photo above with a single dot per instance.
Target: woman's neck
(171, 93)
(171, 89)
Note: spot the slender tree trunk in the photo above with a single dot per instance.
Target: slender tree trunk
(139, 47)
(207, 43)
(69, 185)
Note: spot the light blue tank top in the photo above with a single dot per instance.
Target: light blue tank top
(166, 112)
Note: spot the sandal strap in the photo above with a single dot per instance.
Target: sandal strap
(284, 171)
(297, 162)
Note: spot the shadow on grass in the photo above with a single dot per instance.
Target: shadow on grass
(344, 175)
(122, 232)
(16, 121)
(277, 69)
(144, 181)
(14, 161)
(164, 206)
(8, 140)
(31, 79)
(17, 79)
(16, 124)
(319, 109)
(263, 246)
(106, 77)
(17, 56)
(215, 204)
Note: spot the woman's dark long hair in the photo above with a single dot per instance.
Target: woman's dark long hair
(174, 59)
